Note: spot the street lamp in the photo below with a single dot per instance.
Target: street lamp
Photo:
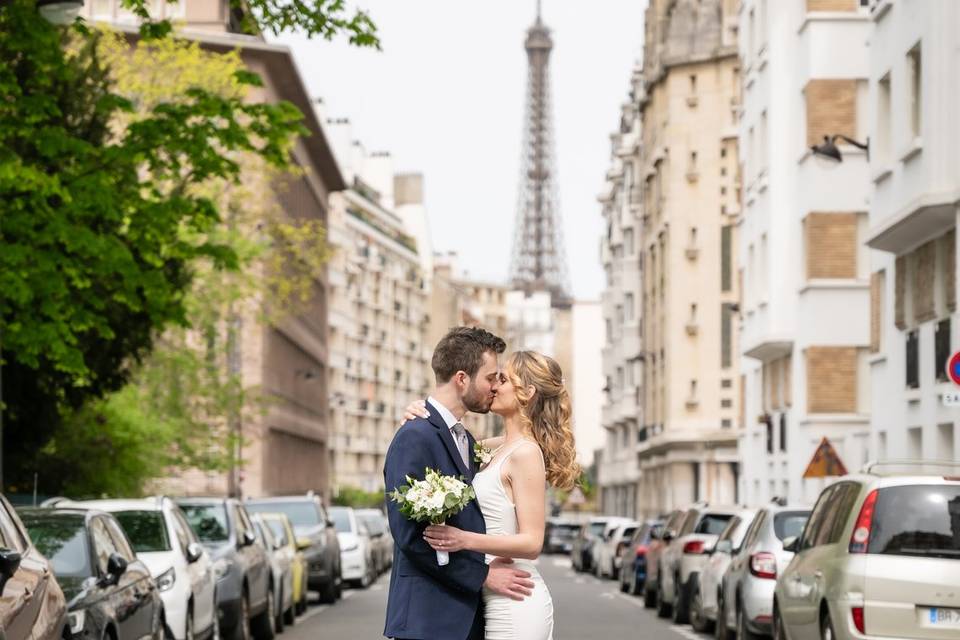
(830, 151)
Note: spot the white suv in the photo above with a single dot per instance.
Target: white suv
(181, 567)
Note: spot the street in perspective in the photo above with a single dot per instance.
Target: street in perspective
(520, 320)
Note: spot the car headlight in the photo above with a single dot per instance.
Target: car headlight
(76, 620)
(221, 568)
(166, 580)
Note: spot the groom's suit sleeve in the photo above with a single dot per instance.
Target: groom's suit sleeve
(409, 455)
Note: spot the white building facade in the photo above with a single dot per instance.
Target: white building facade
(618, 473)
(915, 208)
(803, 264)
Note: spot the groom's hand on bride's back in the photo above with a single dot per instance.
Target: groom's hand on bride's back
(414, 410)
(506, 581)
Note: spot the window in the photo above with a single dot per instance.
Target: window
(941, 341)
(102, 544)
(120, 541)
(913, 360)
(693, 84)
(209, 522)
(783, 432)
(838, 512)
(915, 443)
(883, 119)
(916, 520)
(628, 306)
(945, 441)
(628, 246)
(726, 335)
(915, 84)
(147, 530)
(768, 430)
(726, 262)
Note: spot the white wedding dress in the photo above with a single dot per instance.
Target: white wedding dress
(506, 619)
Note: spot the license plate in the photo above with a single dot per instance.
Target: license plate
(942, 618)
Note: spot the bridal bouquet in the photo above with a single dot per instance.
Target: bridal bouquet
(433, 499)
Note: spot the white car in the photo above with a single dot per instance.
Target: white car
(608, 549)
(179, 564)
(356, 549)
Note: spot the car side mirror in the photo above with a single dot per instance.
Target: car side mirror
(116, 567)
(330, 523)
(9, 562)
(791, 544)
(303, 544)
(667, 536)
(194, 552)
(248, 538)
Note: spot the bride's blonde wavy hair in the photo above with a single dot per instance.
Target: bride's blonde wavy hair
(546, 413)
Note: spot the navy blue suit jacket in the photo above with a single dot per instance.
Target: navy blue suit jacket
(427, 601)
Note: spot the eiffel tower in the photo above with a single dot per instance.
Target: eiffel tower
(538, 262)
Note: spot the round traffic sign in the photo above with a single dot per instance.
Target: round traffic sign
(953, 368)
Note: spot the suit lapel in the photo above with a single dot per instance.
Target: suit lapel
(447, 438)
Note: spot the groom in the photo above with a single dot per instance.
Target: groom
(427, 601)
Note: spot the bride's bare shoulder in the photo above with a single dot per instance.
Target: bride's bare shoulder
(528, 456)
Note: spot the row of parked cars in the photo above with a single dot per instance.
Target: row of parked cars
(878, 555)
(179, 568)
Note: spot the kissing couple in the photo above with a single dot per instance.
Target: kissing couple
(491, 587)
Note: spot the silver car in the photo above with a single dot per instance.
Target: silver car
(381, 540)
(686, 556)
(705, 587)
(879, 557)
(608, 550)
(656, 548)
(745, 597)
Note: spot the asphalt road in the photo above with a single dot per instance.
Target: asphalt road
(584, 607)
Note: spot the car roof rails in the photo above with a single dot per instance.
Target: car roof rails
(886, 468)
(54, 501)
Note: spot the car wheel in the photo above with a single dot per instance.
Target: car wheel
(663, 608)
(264, 625)
(290, 615)
(621, 578)
(215, 632)
(826, 626)
(649, 596)
(188, 631)
(328, 592)
(278, 620)
(698, 620)
(743, 631)
(680, 602)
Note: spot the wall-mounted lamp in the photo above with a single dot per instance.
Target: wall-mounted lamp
(830, 151)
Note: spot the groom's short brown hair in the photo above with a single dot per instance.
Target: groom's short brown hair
(462, 349)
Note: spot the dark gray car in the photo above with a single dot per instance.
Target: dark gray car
(241, 565)
(316, 537)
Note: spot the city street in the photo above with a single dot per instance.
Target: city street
(583, 607)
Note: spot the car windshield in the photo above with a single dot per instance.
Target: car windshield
(62, 538)
(146, 530)
(917, 520)
(374, 524)
(596, 528)
(564, 530)
(301, 514)
(628, 533)
(341, 520)
(208, 521)
(789, 524)
(713, 524)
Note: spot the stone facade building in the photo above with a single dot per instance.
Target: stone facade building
(286, 449)
(378, 301)
(688, 170)
(805, 269)
(620, 250)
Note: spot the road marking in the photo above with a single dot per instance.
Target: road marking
(348, 594)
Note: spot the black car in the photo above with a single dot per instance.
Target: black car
(316, 537)
(244, 591)
(42, 612)
(558, 535)
(110, 593)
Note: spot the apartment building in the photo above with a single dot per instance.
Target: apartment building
(378, 303)
(688, 174)
(285, 448)
(620, 249)
(804, 267)
(914, 176)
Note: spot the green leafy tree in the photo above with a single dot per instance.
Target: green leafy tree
(186, 388)
(349, 496)
(102, 223)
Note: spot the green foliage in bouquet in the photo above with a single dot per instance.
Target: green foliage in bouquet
(434, 499)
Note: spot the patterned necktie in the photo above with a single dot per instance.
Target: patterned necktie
(460, 437)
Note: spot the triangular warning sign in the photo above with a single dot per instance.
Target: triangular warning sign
(825, 462)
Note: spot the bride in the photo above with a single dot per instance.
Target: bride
(537, 447)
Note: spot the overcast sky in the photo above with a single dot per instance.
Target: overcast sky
(446, 95)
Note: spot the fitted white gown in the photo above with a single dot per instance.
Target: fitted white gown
(506, 619)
